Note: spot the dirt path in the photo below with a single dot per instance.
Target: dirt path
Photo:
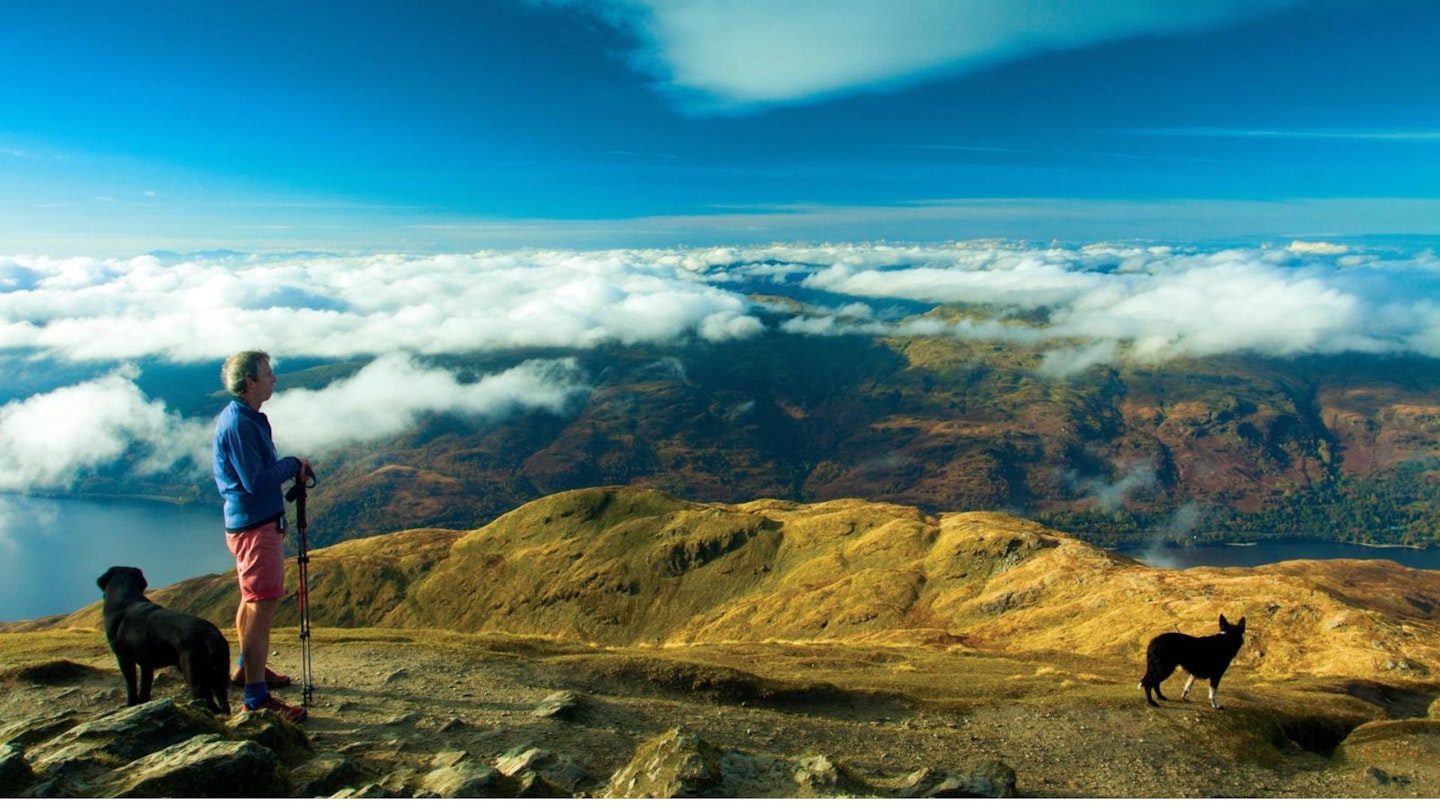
(394, 701)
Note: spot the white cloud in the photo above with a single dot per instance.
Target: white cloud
(390, 395)
(1120, 304)
(85, 309)
(50, 439)
(738, 53)
(1102, 304)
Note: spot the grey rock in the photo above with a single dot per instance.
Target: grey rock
(207, 766)
(325, 774)
(286, 739)
(540, 772)
(817, 775)
(990, 779)
(374, 790)
(34, 729)
(15, 773)
(562, 705)
(89, 749)
(681, 764)
(463, 780)
(676, 764)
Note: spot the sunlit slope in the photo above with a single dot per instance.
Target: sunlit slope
(624, 566)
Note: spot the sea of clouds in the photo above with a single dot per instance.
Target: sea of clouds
(1111, 304)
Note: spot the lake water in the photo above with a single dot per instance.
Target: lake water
(1248, 556)
(53, 549)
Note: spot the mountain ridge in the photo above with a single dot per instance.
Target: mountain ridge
(1207, 450)
(624, 566)
(881, 636)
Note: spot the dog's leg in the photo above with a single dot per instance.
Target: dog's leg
(132, 692)
(147, 678)
(1185, 693)
(1215, 692)
(1146, 687)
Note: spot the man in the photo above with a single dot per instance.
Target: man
(251, 480)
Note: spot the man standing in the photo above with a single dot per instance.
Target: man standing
(251, 480)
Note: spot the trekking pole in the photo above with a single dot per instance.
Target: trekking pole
(297, 494)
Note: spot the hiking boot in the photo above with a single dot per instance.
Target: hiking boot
(272, 678)
(294, 714)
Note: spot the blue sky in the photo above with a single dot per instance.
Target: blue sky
(425, 125)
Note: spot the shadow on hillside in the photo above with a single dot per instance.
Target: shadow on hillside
(632, 677)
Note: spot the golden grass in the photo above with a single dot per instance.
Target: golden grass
(625, 566)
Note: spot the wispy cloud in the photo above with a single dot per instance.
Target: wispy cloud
(48, 440)
(719, 54)
(1289, 134)
(392, 393)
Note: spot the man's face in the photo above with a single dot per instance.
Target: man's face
(262, 385)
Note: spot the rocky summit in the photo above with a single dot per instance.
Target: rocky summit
(622, 642)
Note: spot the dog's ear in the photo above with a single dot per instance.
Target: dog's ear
(143, 583)
(1241, 625)
(105, 578)
(1224, 625)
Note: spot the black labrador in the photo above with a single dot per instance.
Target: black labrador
(141, 633)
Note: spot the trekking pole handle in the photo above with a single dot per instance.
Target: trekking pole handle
(304, 479)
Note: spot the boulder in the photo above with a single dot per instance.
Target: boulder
(563, 705)
(987, 780)
(679, 764)
(31, 730)
(15, 773)
(80, 758)
(204, 767)
(817, 775)
(324, 775)
(676, 764)
(541, 773)
(455, 775)
(269, 729)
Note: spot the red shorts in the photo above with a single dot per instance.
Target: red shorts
(259, 561)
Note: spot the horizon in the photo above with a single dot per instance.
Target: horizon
(386, 185)
(441, 127)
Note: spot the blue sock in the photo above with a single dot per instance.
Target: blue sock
(256, 694)
(240, 661)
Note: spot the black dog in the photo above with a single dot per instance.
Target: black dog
(142, 633)
(1206, 657)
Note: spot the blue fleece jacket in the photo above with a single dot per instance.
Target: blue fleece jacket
(250, 477)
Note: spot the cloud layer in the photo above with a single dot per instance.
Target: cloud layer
(85, 309)
(740, 53)
(391, 394)
(48, 440)
(1101, 304)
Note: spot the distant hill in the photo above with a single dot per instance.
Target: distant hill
(1344, 448)
(627, 566)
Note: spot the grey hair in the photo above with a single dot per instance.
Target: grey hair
(239, 367)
